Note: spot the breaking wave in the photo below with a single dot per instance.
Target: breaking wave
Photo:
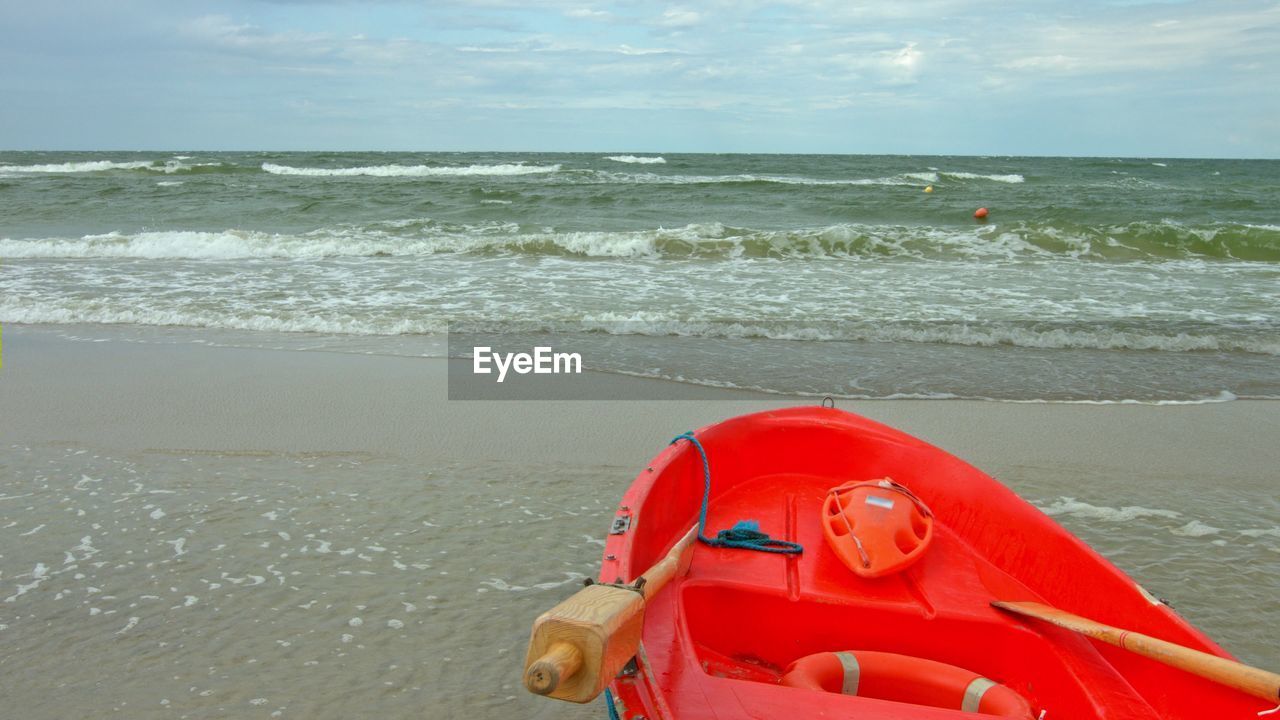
(1101, 335)
(97, 166)
(637, 160)
(412, 170)
(1140, 241)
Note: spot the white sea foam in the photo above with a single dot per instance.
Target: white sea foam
(1010, 178)
(504, 586)
(1128, 513)
(413, 170)
(1195, 528)
(230, 244)
(637, 160)
(930, 177)
(1221, 397)
(423, 237)
(654, 179)
(89, 166)
(79, 167)
(973, 335)
(72, 311)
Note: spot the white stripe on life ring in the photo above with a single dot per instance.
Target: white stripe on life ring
(973, 694)
(852, 672)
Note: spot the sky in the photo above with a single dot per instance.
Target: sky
(1124, 77)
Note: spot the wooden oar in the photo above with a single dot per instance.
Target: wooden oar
(1244, 678)
(578, 646)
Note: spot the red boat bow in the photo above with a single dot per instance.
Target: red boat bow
(717, 640)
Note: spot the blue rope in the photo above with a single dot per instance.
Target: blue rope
(608, 702)
(745, 534)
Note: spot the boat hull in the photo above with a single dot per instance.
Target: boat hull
(716, 641)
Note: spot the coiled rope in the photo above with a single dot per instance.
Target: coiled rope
(745, 534)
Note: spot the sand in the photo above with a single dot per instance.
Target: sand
(198, 531)
(133, 395)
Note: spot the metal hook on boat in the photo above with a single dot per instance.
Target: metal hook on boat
(830, 400)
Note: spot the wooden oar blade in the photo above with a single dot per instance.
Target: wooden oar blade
(1052, 616)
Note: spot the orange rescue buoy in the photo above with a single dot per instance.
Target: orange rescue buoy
(877, 527)
(906, 679)
(980, 213)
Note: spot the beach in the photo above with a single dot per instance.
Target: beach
(192, 530)
(248, 472)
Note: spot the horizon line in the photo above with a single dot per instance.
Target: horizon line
(1085, 156)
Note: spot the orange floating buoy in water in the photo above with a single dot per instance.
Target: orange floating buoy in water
(980, 213)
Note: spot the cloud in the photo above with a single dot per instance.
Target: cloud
(222, 31)
(785, 65)
(680, 18)
(586, 13)
(1138, 40)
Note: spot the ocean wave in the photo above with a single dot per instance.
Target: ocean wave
(79, 167)
(1119, 335)
(1128, 513)
(1012, 178)
(413, 170)
(746, 179)
(912, 179)
(95, 166)
(1148, 242)
(71, 313)
(637, 160)
(1221, 397)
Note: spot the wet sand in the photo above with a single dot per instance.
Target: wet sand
(140, 396)
(194, 531)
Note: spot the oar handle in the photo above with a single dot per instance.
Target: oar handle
(1254, 681)
(555, 666)
(578, 646)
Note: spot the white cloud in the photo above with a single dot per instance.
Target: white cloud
(680, 18)
(586, 13)
(628, 50)
(1133, 42)
(220, 30)
(739, 57)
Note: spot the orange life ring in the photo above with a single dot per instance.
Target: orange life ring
(876, 527)
(906, 679)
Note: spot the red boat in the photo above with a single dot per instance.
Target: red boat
(747, 634)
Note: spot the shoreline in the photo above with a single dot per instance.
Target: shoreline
(140, 396)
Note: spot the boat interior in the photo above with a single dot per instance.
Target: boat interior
(731, 626)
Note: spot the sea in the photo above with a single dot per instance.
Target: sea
(1092, 280)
